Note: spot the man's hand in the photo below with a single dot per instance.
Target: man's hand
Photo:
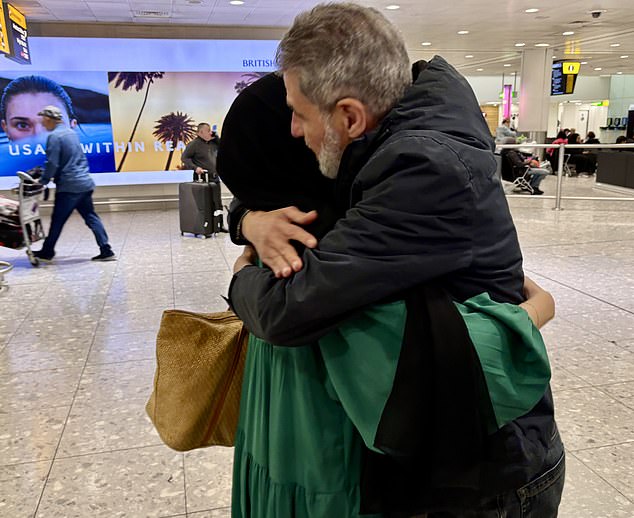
(271, 233)
(247, 258)
(200, 170)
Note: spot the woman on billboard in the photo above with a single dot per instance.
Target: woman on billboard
(24, 97)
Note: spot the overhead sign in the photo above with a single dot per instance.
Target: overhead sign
(4, 37)
(570, 67)
(564, 77)
(18, 35)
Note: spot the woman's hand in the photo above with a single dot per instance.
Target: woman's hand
(539, 303)
(248, 257)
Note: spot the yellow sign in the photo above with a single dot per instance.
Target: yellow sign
(17, 16)
(571, 67)
(4, 37)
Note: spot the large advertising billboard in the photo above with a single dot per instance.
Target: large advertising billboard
(127, 119)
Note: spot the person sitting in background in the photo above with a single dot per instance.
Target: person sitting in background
(561, 138)
(591, 138)
(584, 161)
(504, 130)
(518, 164)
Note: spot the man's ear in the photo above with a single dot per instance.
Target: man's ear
(353, 117)
(4, 125)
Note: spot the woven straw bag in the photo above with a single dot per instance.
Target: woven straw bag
(200, 363)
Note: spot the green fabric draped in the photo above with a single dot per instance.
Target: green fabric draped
(306, 411)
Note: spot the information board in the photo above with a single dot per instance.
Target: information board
(564, 77)
(4, 37)
(17, 35)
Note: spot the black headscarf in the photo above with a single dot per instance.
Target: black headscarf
(259, 160)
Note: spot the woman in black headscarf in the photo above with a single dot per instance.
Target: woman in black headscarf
(308, 414)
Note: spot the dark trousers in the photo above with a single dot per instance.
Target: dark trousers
(65, 204)
(538, 499)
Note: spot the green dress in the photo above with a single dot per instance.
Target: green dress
(307, 412)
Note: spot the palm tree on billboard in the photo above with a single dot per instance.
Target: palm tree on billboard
(174, 127)
(138, 81)
(250, 78)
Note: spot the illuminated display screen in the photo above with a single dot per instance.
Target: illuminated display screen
(18, 35)
(4, 37)
(564, 77)
(133, 111)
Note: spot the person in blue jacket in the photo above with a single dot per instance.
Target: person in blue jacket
(66, 165)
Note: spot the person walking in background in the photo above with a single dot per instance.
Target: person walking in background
(66, 165)
(504, 130)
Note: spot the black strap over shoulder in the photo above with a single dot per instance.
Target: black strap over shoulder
(433, 426)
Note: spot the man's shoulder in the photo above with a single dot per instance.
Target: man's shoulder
(417, 149)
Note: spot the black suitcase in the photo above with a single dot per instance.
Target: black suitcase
(200, 208)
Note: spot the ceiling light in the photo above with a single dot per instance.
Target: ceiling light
(520, 44)
(469, 56)
(542, 45)
(615, 44)
(426, 43)
(554, 57)
(584, 62)
(479, 69)
(624, 57)
(532, 10)
(236, 2)
(392, 7)
(507, 64)
(463, 32)
(568, 33)
(619, 73)
(598, 68)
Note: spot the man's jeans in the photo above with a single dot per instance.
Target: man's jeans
(537, 175)
(65, 204)
(538, 499)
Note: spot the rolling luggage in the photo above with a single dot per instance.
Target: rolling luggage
(200, 208)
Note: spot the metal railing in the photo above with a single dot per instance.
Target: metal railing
(560, 168)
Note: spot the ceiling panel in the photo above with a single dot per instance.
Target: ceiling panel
(494, 27)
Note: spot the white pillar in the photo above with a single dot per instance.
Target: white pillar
(535, 92)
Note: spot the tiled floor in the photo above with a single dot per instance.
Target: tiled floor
(76, 363)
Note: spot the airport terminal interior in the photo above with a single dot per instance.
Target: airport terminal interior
(78, 337)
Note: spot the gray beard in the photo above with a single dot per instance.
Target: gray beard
(330, 154)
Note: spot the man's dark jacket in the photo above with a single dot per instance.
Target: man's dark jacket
(425, 205)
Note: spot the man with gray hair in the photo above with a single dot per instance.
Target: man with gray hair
(416, 181)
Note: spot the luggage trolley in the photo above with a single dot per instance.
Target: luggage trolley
(20, 221)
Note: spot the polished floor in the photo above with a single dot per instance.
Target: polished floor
(77, 360)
